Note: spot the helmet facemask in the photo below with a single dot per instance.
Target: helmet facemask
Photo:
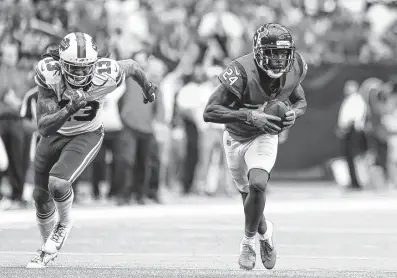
(274, 60)
(78, 56)
(78, 75)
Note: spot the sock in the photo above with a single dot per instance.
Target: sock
(46, 223)
(249, 240)
(269, 233)
(64, 207)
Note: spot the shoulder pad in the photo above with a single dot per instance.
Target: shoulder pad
(108, 70)
(234, 78)
(48, 72)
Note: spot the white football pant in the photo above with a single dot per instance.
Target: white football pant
(260, 153)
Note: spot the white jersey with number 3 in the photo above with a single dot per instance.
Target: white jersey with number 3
(108, 76)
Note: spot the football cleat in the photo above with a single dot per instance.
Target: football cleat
(57, 238)
(41, 259)
(247, 257)
(267, 250)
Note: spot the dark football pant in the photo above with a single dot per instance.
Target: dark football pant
(192, 155)
(353, 144)
(64, 157)
(99, 164)
(133, 170)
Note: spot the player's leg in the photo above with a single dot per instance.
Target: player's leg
(75, 157)
(45, 156)
(239, 172)
(260, 158)
(262, 227)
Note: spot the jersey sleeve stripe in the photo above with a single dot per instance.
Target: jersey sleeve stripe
(40, 79)
(120, 79)
(40, 82)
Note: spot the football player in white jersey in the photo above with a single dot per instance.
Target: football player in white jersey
(72, 84)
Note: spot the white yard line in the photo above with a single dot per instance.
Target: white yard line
(208, 210)
(184, 255)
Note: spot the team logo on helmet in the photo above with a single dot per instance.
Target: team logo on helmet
(262, 33)
(64, 44)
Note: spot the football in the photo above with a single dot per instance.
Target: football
(276, 108)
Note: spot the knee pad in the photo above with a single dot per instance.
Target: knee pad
(58, 187)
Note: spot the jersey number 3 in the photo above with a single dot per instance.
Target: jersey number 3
(85, 114)
(231, 75)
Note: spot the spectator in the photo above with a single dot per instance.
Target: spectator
(187, 102)
(376, 97)
(136, 141)
(11, 127)
(351, 121)
(113, 127)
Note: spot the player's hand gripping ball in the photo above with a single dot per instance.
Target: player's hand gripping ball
(77, 100)
(289, 119)
(276, 108)
(282, 110)
(264, 120)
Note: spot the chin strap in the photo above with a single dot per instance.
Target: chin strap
(272, 74)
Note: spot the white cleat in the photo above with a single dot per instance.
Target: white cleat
(57, 238)
(267, 250)
(41, 259)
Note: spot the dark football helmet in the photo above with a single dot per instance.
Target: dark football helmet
(274, 49)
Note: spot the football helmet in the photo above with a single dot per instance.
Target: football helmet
(78, 55)
(274, 49)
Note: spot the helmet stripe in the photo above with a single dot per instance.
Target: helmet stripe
(81, 45)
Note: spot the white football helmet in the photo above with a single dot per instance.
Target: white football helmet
(78, 56)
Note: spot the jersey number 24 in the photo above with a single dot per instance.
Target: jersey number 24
(231, 75)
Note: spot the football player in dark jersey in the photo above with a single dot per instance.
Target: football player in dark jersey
(274, 70)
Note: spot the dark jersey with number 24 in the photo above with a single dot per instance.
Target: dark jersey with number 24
(242, 78)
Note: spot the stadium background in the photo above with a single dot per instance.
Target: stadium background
(341, 40)
(321, 231)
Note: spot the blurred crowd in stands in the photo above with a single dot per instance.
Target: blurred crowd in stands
(183, 45)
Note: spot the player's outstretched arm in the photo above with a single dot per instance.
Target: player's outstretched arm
(220, 108)
(132, 69)
(298, 101)
(50, 117)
